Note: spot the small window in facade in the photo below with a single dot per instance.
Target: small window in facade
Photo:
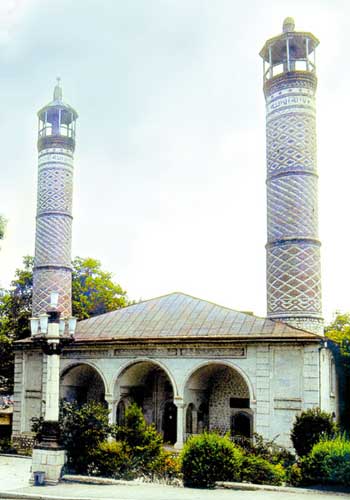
(239, 402)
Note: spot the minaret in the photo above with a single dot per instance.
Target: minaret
(293, 248)
(52, 263)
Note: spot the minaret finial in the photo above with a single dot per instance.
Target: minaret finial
(288, 25)
(57, 93)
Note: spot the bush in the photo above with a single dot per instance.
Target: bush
(259, 471)
(328, 463)
(82, 429)
(266, 449)
(208, 458)
(6, 446)
(143, 440)
(309, 428)
(166, 467)
(294, 475)
(111, 459)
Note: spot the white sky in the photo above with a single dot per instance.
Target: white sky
(170, 168)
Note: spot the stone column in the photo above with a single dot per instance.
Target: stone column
(111, 406)
(180, 423)
(52, 387)
(48, 456)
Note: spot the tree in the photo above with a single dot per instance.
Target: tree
(93, 292)
(15, 311)
(339, 332)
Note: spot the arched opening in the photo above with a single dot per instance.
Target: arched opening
(169, 422)
(220, 393)
(148, 385)
(82, 384)
(189, 418)
(241, 425)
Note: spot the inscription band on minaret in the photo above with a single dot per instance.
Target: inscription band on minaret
(52, 262)
(293, 248)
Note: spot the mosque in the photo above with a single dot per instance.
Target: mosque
(189, 363)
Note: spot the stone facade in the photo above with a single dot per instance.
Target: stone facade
(279, 381)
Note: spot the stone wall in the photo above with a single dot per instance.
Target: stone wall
(228, 384)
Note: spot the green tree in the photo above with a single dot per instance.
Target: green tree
(93, 292)
(15, 311)
(339, 332)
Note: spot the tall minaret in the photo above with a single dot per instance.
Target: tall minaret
(293, 248)
(52, 263)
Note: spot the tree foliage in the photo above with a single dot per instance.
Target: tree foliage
(309, 427)
(15, 311)
(339, 332)
(93, 292)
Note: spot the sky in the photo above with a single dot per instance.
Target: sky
(169, 183)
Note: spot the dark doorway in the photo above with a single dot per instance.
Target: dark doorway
(169, 422)
(120, 413)
(241, 425)
(189, 418)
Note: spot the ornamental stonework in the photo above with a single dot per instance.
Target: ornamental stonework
(293, 249)
(52, 261)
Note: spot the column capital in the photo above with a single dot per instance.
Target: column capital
(179, 402)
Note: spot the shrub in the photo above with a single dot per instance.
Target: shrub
(142, 439)
(208, 458)
(82, 429)
(328, 463)
(267, 449)
(308, 429)
(6, 446)
(111, 459)
(294, 475)
(166, 467)
(259, 471)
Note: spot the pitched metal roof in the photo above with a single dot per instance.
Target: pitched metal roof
(178, 315)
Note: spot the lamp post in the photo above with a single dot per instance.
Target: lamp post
(52, 334)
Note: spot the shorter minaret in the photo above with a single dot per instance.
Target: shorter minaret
(52, 263)
(293, 247)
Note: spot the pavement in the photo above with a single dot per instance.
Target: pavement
(15, 474)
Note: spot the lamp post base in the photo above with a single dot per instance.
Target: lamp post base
(48, 456)
(50, 462)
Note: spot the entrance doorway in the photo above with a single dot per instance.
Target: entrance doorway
(170, 422)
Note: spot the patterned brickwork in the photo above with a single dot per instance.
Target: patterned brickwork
(52, 264)
(293, 250)
(53, 241)
(292, 207)
(48, 280)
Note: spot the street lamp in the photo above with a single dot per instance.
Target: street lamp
(52, 334)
